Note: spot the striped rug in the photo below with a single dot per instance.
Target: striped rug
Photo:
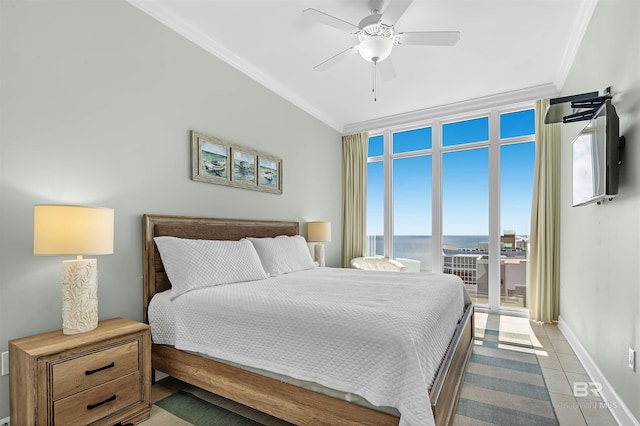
(198, 407)
(199, 412)
(504, 384)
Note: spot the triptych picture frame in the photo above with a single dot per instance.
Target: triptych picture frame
(216, 161)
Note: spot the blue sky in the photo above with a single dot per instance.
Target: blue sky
(465, 174)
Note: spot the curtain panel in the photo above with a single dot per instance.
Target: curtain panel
(354, 196)
(544, 256)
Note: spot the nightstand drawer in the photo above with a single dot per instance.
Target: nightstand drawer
(94, 368)
(99, 402)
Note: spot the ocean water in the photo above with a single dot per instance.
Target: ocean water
(419, 247)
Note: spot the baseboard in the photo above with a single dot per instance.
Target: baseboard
(617, 407)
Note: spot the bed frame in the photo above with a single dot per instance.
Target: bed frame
(285, 401)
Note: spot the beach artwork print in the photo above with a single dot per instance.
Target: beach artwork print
(268, 173)
(244, 166)
(214, 159)
(220, 162)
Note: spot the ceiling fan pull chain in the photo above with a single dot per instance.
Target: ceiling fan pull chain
(375, 88)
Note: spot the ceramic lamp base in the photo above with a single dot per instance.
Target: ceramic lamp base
(79, 296)
(319, 254)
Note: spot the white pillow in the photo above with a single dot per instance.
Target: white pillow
(283, 254)
(192, 264)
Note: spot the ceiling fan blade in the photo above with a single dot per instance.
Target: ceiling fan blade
(332, 21)
(336, 58)
(430, 38)
(386, 69)
(394, 11)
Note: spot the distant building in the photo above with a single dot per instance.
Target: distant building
(508, 240)
(463, 265)
(472, 265)
(522, 243)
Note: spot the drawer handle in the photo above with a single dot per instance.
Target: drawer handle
(92, 406)
(90, 372)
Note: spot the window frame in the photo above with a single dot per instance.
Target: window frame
(493, 144)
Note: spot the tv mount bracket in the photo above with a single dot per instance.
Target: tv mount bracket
(581, 107)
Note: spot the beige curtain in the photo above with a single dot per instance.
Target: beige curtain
(354, 196)
(544, 257)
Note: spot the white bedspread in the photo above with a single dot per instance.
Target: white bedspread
(380, 335)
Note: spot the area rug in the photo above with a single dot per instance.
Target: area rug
(201, 413)
(201, 408)
(504, 384)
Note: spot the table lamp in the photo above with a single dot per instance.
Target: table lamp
(319, 232)
(61, 230)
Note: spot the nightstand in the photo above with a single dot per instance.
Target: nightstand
(100, 377)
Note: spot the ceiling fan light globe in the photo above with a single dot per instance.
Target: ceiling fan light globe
(375, 48)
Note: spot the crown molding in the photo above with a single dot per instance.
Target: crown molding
(169, 19)
(458, 108)
(584, 12)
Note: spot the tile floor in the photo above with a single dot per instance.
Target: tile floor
(560, 367)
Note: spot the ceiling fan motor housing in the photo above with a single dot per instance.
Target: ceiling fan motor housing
(376, 39)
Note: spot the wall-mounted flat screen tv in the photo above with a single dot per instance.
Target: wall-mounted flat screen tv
(596, 158)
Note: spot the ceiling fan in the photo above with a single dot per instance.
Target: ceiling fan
(377, 36)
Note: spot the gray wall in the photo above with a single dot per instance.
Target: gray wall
(97, 102)
(600, 264)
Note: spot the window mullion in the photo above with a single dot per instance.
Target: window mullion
(494, 212)
(436, 198)
(465, 147)
(388, 195)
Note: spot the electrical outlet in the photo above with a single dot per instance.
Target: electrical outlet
(632, 359)
(5, 365)
(5, 422)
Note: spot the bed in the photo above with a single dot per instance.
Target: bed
(282, 399)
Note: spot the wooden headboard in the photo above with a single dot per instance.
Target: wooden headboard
(201, 228)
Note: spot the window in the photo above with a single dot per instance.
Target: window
(465, 218)
(463, 132)
(412, 212)
(375, 209)
(412, 140)
(375, 197)
(455, 196)
(376, 146)
(517, 154)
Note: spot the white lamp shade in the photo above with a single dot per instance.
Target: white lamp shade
(319, 232)
(375, 48)
(60, 230)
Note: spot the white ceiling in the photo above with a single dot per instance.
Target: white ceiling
(506, 46)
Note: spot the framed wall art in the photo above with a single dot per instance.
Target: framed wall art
(269, 174)
(244, 166)
(210, 159)
(216, 161)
